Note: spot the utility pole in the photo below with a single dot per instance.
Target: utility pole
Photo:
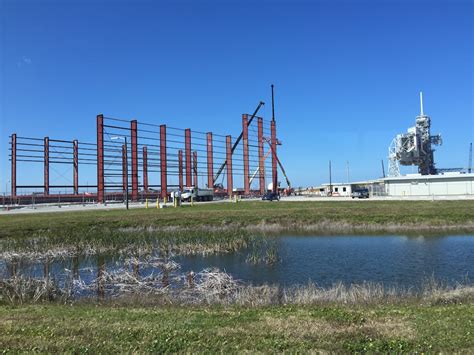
(347, 166)
(330, 179)
(469, 168)
(383, 170)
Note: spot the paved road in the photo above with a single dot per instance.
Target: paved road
(47, 208)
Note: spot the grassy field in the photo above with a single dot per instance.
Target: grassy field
(405, 325)
(345, 217)
(109, 329)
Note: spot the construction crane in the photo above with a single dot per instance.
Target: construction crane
(219, 172)
(268, 140)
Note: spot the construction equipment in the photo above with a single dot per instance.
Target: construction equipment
(197, 194)
(236, 143)
(258, 169)
(268, 140)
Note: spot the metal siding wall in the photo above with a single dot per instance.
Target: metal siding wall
(437, 187)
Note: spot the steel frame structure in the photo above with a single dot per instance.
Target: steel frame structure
(162, 159)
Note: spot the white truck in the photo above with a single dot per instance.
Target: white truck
(197, 194)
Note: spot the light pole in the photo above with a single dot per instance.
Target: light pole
(126, 166)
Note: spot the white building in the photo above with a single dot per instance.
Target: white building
(430, 185)
(338, 189)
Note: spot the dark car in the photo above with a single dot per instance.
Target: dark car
(270, 196)
(360, 193)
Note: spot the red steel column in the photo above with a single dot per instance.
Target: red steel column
(75, 154)
(180, 169)
(13, 193)
(145, 169)
(210, 162)
(230, 182)
(163, 162)
(46, 165)
(274, 157)
(124, 168)
(187, 153)
(261, 159)
(195, 168)
(245, 143)
(133, 131)
(100, 158)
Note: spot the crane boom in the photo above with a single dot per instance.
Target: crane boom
(279, 164)
(261, 103)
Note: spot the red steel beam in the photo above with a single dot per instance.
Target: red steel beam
(13, 193)
(210, 162)
(163, 163)
(180, 169)
(75, 158)
(46, 165)
(195, 168)
(245, 144)
(145, 169)
(230, 181)
(133, 132)
(261, 158)
(124, 168)
(274, 156)
(187, 153)
(100, 158)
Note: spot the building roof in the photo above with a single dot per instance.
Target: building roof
(419, 177)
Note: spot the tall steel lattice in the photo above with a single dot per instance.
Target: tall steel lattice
(414, 147)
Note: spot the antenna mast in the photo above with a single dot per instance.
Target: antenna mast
(421, 104)
(273, 105)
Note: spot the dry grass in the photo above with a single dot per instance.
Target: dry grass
(302, 327)
(213, 287)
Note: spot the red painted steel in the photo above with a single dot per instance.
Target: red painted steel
(100, 158)
(230, 181)
(163, 163)
(245, 144)
(210, 162)
(180, 169)
(13, 193)
(274, 156)
(145, 169)
(124, 168)
(187, 153)
(195, 168)
(46, 165)
(75, 177)
(261, 158)
(133, 132)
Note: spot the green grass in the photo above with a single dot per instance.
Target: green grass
(85, 327)
(371, 216)
(109, 329)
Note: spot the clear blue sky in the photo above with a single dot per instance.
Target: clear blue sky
(347, 73)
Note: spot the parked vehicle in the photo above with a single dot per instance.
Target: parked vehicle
(271, 196)
(197, 194)
(360, 193)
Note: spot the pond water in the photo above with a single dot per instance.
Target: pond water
(391, 260)
(324, 260)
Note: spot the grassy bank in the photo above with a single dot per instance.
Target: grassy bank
(109, 329)
(324, 217)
